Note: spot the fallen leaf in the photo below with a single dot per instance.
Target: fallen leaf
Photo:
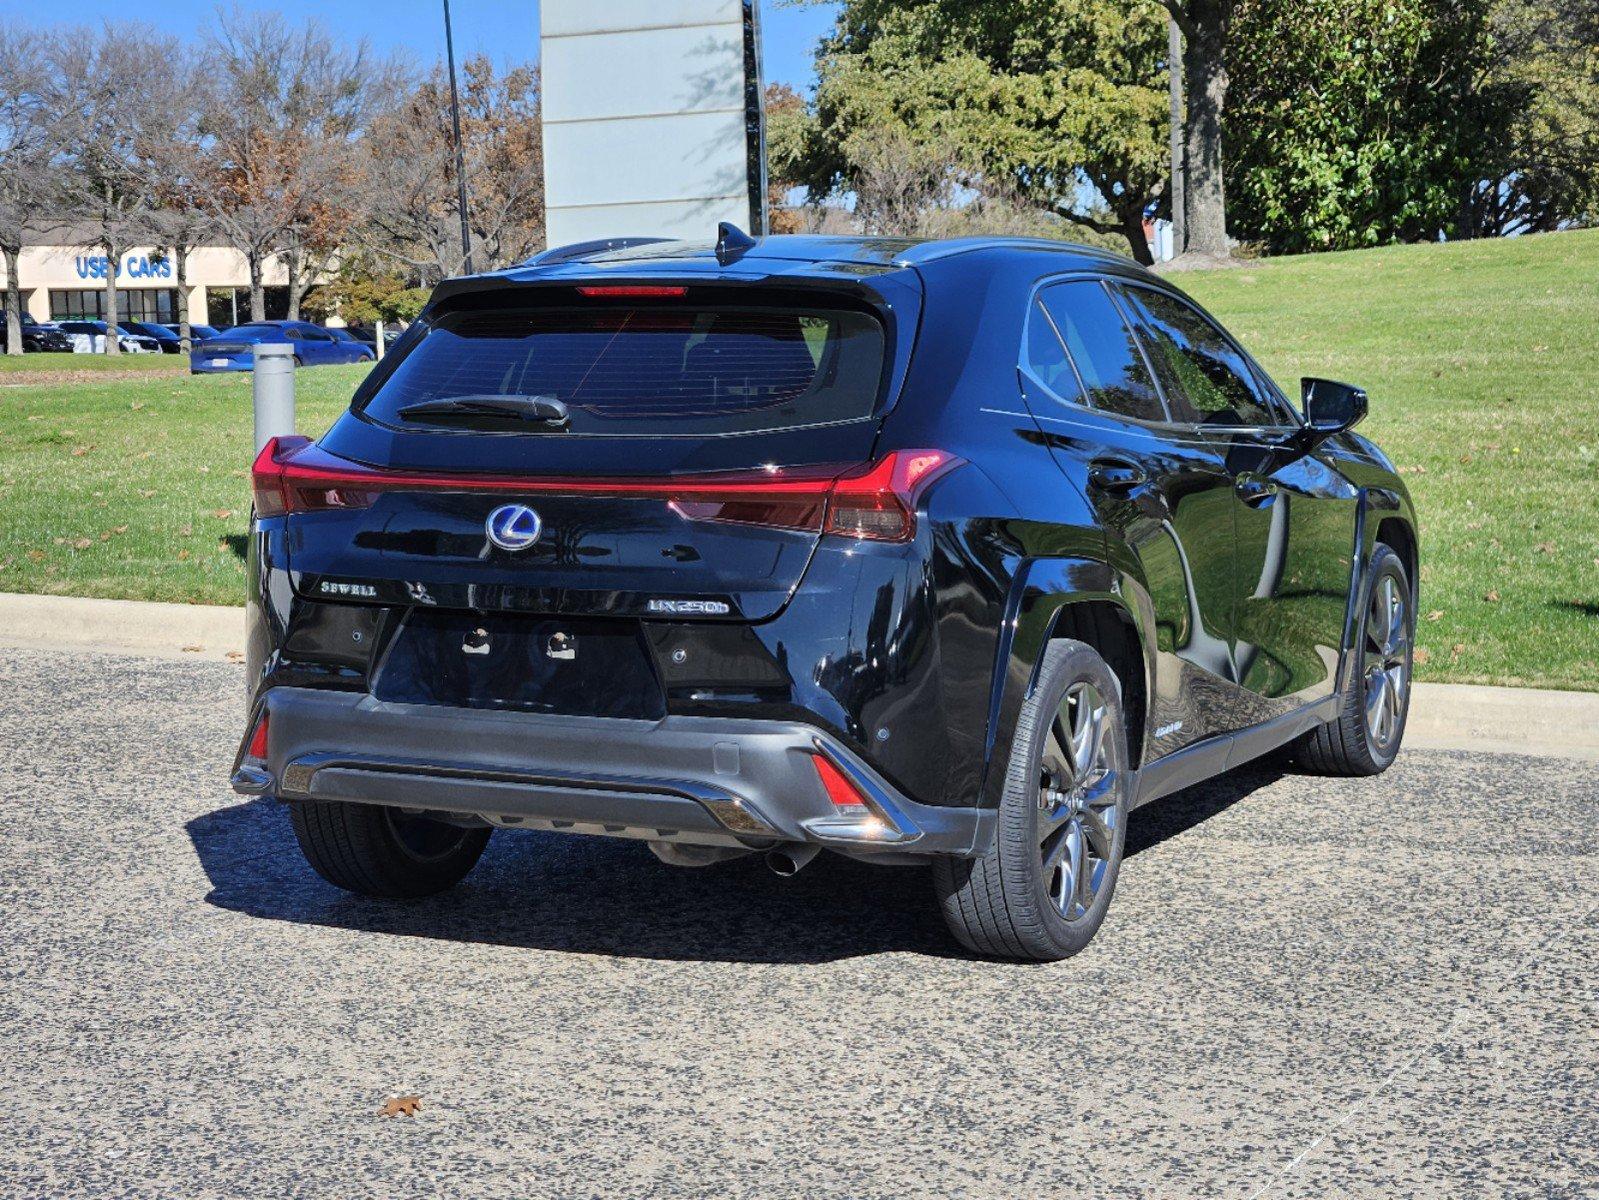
(1457, 650)
(185, 530)
(396, 1106)
(183, 556)
(146, 493)
(193, 649)
(231, 655)
(36, 556)
(1435, 614)
(222, 514)
(136, 405)
(1420, 655)
(82, 543)
(119, 529)
(1546, 547)
(80, 451)
(1491, 596)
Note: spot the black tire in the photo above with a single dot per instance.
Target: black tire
(1006, 903)
(297, 363)
(383, 852)
(1349, 744)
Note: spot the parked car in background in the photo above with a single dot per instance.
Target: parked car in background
(368, 353)
(37, 337)
(368, 336)
(197, 333)
(940, 553)
(88, 337)
(167, 341)
(234, 350)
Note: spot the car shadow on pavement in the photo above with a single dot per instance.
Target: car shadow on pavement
(591, 895)
(1181, 811)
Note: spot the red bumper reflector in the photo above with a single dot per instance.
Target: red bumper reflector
(258, 740)
(839, 789)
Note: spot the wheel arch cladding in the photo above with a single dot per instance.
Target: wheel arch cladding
(1397, 533)
(1072, 598)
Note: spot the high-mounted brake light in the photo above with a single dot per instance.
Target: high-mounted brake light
(632, 291)
(874, 502)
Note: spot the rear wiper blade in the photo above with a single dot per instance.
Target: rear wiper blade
(545, 410)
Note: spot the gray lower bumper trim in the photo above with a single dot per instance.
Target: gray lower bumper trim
(691, 779)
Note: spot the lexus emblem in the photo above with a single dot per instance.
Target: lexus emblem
(513, 527)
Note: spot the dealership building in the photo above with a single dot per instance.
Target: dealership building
(62, 277)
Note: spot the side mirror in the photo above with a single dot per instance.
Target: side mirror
(1330, 407)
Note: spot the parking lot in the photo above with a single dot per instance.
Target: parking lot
(1305, 988)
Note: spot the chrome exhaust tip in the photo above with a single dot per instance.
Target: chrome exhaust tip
(788, 861)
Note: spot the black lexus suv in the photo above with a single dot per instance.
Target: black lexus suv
(939, 553)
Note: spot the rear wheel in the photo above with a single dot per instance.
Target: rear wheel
(384, 852)
(1042, 890)
(1364, 738)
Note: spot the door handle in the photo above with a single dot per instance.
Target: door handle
(1116, 475)
(1255, 492)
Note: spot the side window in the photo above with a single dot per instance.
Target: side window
(316, 335)
(1113, 372)
(1206, 380)
(1046, 358)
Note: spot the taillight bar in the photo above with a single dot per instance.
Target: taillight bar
(876, 501)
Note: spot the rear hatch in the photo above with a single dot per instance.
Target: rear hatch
(612, 449)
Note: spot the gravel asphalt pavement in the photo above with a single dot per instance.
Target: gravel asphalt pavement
(1306, 988)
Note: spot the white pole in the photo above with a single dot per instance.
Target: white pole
(273, 389)
(379, 346)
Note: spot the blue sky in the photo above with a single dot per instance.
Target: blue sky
(505, 29)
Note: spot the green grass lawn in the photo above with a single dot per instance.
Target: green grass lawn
(137, 488)
(1482, 360)
(36, 365)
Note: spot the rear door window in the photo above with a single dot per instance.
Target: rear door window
(648, 370)
(1115, 378)
(1207, 379)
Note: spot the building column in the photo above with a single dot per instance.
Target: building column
(37, 302)
(198, 313)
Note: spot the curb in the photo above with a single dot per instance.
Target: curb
(1443, 716)
(131, 626)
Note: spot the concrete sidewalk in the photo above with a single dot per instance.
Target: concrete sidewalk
(1450, 716)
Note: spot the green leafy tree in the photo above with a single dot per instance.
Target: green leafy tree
(1055, 104)
(1362, 122)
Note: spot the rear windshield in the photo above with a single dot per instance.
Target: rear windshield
(642, 370)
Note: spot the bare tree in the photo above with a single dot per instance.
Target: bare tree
(112, 108)
(414, 219)
(286, 110)
(172, 153)
(29, 144)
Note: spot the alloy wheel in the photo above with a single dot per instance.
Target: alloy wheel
(1077, 802)
(1386, 661)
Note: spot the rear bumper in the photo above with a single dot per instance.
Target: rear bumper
(699, 780)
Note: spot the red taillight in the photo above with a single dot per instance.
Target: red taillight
(875, 502)
(632, 291)
(258, 740)
(840, 790)
(880, 505)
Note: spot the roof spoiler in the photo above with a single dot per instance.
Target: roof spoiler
(577, 250)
